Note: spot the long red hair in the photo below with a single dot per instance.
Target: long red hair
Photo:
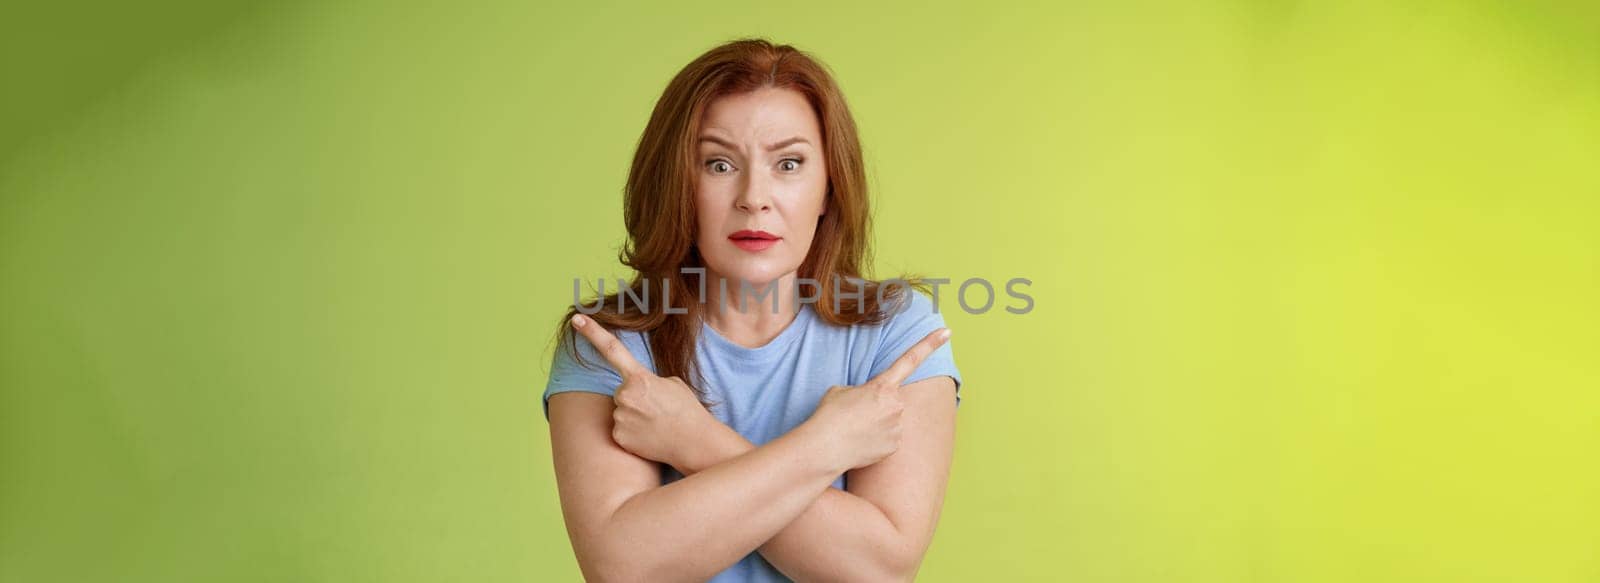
(659, 205)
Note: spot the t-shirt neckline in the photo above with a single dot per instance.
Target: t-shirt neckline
(776, 346)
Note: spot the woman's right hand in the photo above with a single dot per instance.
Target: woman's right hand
(860, 425)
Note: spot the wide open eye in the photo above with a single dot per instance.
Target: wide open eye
(719, 166)
(790, 164)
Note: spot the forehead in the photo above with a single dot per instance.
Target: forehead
(765, 112)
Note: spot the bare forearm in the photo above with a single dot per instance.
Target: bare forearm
(839, 537)
(694, 527)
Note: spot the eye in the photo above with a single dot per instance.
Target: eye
(790, 164)
(719, 166)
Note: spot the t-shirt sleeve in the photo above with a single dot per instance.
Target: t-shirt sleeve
(593, 375)
(909, 326)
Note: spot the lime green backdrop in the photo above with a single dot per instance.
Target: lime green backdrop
(1316, 282)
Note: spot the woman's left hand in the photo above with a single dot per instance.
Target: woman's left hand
(656, 418)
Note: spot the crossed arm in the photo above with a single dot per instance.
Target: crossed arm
(737, 498)
(880, 529)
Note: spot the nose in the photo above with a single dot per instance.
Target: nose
(754, 198)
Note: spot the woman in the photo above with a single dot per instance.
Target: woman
(696, 437)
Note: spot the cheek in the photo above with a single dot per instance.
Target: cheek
(819, 191)
(819, 203)
(802, 220)
(710, 213)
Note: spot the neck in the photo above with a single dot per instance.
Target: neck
(756, 323)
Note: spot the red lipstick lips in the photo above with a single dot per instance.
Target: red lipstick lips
(754, 241)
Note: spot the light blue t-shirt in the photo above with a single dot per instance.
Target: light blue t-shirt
(764, 392)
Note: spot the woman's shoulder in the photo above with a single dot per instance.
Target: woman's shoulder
(588, 357)
(912, 309)
(915, 315)
(909, 315)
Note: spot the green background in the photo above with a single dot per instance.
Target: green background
(1316, 282)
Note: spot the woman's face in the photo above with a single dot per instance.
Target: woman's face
(761, 184)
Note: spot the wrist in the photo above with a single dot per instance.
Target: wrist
(820, 439)
(714, 443)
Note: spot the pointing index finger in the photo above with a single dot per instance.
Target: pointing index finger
(908, 362)
(608, 346)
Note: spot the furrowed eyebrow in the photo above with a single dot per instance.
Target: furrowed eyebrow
(789, 142)
(779, 145)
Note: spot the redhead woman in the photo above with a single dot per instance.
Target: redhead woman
(751, 407)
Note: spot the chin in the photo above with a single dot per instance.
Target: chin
(756, 273)
(755, 278)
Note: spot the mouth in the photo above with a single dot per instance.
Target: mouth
(754, 240)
